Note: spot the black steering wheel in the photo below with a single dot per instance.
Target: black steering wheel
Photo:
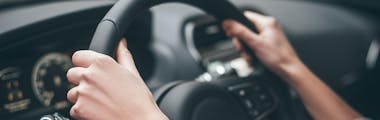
(185, 100)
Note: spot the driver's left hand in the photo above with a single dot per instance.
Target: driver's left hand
(109, 90)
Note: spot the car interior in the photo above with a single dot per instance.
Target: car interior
(184, 56)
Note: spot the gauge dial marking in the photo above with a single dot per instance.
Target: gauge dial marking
(49, 81)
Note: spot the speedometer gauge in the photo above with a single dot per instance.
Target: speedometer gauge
(49, 81)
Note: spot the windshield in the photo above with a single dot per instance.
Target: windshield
(371, 5)
(9, 3)
(14, 1)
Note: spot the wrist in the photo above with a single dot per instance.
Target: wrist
(161, 116)
(157, 114)
(294, 73)
(144, 113)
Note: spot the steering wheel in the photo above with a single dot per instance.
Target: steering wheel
(189, 100)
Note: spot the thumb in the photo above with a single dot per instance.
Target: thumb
(257, 19)
(124, 57)
(238, 30)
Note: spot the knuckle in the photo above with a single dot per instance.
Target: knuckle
(76, 74)
(272, 22)
(240, 32)
(88, 75)
(256, 43)
(246, 32)
(104, 60)
(81, 91)
(234, 29)
(76, 111)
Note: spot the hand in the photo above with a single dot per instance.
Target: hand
(274, 50)
(270, 44)
(109, 90)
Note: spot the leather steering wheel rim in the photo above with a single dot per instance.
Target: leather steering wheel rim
(113, 25)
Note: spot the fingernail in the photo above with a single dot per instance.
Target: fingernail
(226, 24)
(124, 42)
(246, 12)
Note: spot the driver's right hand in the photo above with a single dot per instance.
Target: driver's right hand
(270, 45)
(274, 50)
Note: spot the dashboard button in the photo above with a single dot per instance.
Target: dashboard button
(254, 112)
(248, 103)
(241, 92)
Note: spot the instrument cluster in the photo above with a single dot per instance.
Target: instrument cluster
(35, 87)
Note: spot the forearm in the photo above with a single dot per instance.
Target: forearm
(320, 100)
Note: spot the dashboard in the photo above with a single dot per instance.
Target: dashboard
(37, 41)
(33, 80)
(40, 90)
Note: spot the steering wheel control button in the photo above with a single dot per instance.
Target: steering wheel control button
(256, 88)
(241, 93)
(54, 116)
(254, 113)
(263, 97)
(254, 97)
(216, 70)
(267, 104)
(241, 67)
(248, 103)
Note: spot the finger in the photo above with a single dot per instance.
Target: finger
(244, 54)
(72, 95)
(237, 45)
(90, 109)
(247, 57)
(73, 113)
(125, 58)
(75, 74)
(260, 21)
(84, 58)
(76, 111)
(235, 29)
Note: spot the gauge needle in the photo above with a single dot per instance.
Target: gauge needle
(49, 96)
(57, 81)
